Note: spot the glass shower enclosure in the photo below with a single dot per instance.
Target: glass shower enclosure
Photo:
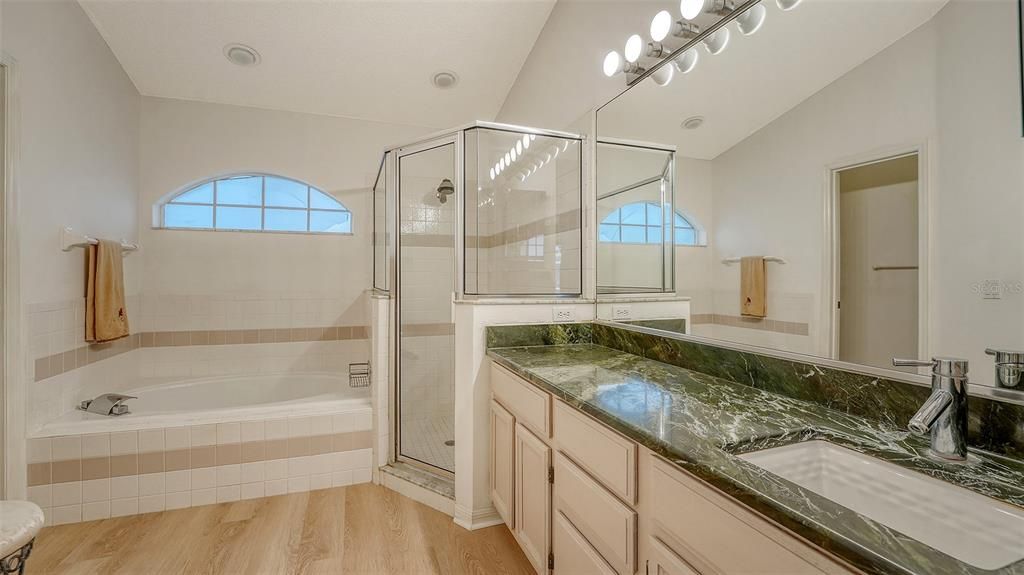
(482, 211)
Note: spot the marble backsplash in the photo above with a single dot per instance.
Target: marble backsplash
(993, 425)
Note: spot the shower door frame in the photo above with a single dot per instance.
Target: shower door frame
(457, 140)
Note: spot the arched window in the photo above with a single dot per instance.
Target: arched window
(640, 223)
(256, 202)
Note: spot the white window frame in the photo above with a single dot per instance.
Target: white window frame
(263, 207)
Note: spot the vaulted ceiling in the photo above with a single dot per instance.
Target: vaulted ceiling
(364, 59)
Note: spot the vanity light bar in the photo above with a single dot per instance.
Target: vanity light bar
(669, 35)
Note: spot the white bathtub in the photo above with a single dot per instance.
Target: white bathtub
(220, 400)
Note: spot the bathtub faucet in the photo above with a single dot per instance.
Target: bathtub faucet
(107, 404)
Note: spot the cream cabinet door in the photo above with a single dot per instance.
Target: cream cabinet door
(503, 451)
(574, 555)
(532, 498)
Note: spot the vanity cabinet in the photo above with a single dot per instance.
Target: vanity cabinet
(503, 437)
(532, 523)
(581, 499)
(690, 527)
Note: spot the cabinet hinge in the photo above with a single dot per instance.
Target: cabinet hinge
(551, 560)
(551, 474)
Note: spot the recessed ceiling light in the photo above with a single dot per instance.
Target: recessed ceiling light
(445, 80)
(241, 55)
(693, 122)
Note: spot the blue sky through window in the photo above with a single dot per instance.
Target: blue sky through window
(257, 203)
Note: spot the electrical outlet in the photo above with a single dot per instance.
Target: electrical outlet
(563, 314)
(621, 312)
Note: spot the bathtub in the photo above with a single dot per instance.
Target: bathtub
(219, 400)
(205, 441)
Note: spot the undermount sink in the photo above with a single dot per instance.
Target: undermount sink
(966, 525)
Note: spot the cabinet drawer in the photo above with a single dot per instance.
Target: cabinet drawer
(574, 555)
(607, 523)
(529, 405)
(706, 530)
(663, 561)
(603, 453)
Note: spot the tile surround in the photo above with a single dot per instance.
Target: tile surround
(83, 478)
(763, 324)
(53, 365)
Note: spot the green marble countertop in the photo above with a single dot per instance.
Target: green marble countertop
(703, 423)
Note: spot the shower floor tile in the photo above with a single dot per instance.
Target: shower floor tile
(424, 440)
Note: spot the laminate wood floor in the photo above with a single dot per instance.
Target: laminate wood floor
(362, 529)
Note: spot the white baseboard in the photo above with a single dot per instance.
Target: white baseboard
(478, 519)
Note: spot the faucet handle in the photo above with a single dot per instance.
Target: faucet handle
(1006, 355)
(942, 366)
(912, 363)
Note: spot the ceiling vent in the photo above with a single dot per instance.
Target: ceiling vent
(241, 55)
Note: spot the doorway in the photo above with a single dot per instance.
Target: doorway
(425, 328)
(878, 285)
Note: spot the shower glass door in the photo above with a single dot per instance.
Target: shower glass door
(425, 326)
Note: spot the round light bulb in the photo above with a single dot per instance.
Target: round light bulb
(662, 76)
(526, 141)
(717, 42)
(661, 25)
(634, 46)
(612, 63)
(492, 173)
(514, 154)
(501, 164)
(687, 61)
(533, 137)
(507, 158)
(519, 147)
(690, 9)
(786, 5)
(751, 20)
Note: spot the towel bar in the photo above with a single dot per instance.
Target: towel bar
(775, 259)
(69, 240)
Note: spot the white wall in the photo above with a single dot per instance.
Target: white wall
(978, 201)
(78, 143)
(77, 165)
(183, 142)
(769, 191)
(930, 89)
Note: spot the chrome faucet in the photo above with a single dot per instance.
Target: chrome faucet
(1009, 367)
(107, 404)
(944, 414)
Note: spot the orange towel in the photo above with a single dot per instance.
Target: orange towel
(105, 315)
(753, 287)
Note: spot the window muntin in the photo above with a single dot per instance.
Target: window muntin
(256, 202)
(641, 223)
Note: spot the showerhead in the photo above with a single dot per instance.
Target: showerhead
(444, 190)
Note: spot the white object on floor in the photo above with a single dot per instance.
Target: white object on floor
(966, 525)
(20, 522)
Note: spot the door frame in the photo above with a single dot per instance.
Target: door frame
(830, 307)
(12, 382)
(456, 139)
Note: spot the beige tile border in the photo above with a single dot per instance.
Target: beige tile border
(198, 457)
(775, 325)
(550, 225)
(56, 364)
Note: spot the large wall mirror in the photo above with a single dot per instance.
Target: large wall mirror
(856, 172)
